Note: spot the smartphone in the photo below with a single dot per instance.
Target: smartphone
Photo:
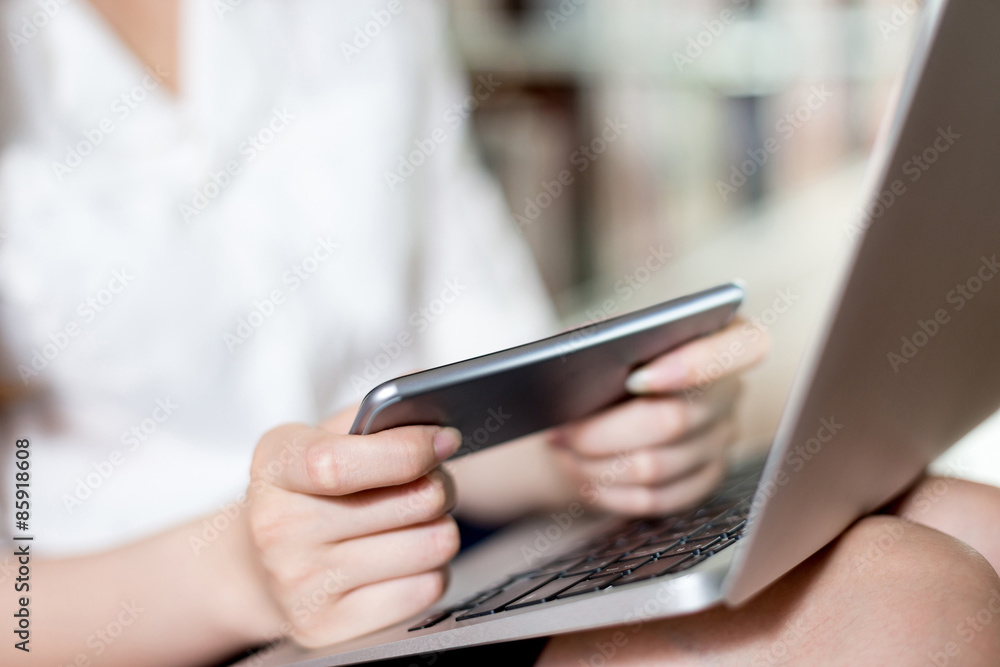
(521, 390)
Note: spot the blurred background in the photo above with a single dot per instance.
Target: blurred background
(649, 148)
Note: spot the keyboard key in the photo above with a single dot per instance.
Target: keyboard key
(653, 548)
(622, 546)
(509, 594)
(623, 566)
(725, 532)
(653, 568)
(557, 567)
(433, 619)
(693, 546)
(592, 565)
(546, 592)
(478, 598)
(725, 543)
(689, 562)
(596, 583)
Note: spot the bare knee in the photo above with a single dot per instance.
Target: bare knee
(965, 510)
(888, 591)
(938, 598)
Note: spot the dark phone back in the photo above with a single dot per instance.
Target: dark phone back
(501, 396)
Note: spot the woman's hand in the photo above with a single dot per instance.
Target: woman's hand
(667, 448)
(352, 531)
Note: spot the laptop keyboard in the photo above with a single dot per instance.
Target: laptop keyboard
(635, 550)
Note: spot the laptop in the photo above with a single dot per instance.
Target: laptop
(906, 363)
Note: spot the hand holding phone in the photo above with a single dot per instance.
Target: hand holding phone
(508, 394)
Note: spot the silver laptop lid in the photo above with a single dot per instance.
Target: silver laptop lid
(909, 361)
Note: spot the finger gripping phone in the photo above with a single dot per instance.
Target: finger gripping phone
(521, 390)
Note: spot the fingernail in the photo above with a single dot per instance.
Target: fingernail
(446, 442)
(663, 377)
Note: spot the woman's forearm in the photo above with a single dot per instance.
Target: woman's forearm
(511, 480)
(187, 596)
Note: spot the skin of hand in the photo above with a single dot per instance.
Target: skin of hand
(666, 448)
(351, 532)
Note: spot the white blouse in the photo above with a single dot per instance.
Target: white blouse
(180, 274)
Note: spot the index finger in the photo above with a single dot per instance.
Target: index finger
(299, 458)
(729, 351)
